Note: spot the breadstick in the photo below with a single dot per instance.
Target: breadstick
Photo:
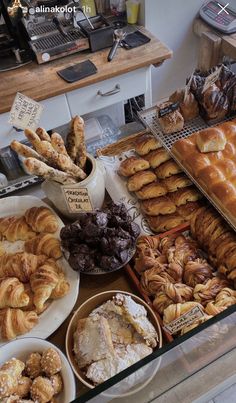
(58, 144)
(55, 159)
(43, 135)
(25, 151)
(39, 168)
(76, 147)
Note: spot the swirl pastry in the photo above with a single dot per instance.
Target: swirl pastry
(175, 270)
(166, 243)
(174, 311)
(167, 169)
(225, 298)
(160, 205)
(140, 179)
(176, 182)
(183, 251)
(154, 279)
(197, 272)
(146, 143)
(172, 294)
(207, 292)
(151, 191)
(157, 157)
(132, 165)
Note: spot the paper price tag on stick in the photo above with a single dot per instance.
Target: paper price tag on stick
(25, 112)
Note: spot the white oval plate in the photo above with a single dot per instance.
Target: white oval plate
(21, 349)
(59, 309)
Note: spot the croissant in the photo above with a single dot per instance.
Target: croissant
(15, 229)
(43, 281)
(41, 219)
(44, 244)
(197, 272)
(12, 293)
(174, 311)
(153, 280)
(62, 287)
(15, 322)
(207, 292)
(20, 265)
(41, 390)
(172, 294)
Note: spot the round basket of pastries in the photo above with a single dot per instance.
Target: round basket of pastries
(34, 370)
(179, 275)
(108, 333)
(32, 270)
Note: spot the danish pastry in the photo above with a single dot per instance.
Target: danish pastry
(146, 143)
(176, 182)
(157, 157)
(151, 191)
(167, 169)
(160, 205)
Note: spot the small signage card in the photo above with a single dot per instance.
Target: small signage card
(25, 112)
(184, 320)
(77, 200)
(168, 109)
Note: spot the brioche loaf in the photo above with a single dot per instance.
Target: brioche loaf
(211, 139)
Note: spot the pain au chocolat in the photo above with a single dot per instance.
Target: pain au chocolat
(214, 170)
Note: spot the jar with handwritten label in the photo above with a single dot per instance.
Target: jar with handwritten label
(81, 197)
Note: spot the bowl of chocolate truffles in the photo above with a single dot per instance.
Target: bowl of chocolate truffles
(101, 241)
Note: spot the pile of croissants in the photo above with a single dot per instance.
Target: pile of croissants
(38, 379)
(175, 272)
(30, 278)
(51, 158)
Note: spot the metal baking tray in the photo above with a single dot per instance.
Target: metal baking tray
(149, 118)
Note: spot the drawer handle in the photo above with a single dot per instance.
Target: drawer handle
(109, 93)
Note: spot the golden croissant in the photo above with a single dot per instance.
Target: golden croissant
(15, 229)
(174, 311)
(20, 265)
(12, 293)
(41, 219)
(62, 287)
(44, 244)
(15, 322)
(207, 292)
(197, 272)
(172, 294)
(43, 281)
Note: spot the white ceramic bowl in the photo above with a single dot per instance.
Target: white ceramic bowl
(21, 348)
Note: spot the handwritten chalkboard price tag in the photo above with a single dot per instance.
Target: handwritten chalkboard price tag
(77, 200)
(168, 109)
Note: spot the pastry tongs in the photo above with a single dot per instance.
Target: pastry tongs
(119, 36)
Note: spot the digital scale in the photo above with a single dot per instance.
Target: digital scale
(220, 15)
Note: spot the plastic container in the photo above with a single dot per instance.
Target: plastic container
(132, 9)
(117, 7)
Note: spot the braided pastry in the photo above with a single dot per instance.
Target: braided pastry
(20, 265)
(148, 259)
(175, 271)
(15, 322)
(197, 272)
(172, 294)
(207, 292)
(212, 309)
(153, 280)
(174, 311)
(41, 219)
(44, 244)
(183, 251)
(12, 293)
(166, 243)
(15, 229)
(225, 298)
(41, 390)
(147, 242)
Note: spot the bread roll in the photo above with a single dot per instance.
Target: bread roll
(132, 165)
(157, 157)
(171, 122)
(182, 196)
(164, 223)
(160, 205)
(210, 174)
(167, 169)
(211, 139)
(176, 182)
(140, 179)
(195, 163)
(146, 143)
(151, 191)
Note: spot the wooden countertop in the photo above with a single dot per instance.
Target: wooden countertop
(41, 81)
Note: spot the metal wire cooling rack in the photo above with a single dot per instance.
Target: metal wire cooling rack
(149, 118)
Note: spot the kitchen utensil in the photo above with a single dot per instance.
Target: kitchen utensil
(119, 36)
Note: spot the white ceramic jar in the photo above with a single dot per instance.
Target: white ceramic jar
(83, 196)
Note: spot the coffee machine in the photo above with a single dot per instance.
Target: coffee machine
(44, 29)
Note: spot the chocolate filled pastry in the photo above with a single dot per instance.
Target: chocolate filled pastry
(155, 189)
(157, 157)
(182, 196)
(132, 165)
(167, 169)
(160, 205)
(140, 179)
(171, 122)
(146, 143)
(164, 223)
(176, 182)
(187, 103)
